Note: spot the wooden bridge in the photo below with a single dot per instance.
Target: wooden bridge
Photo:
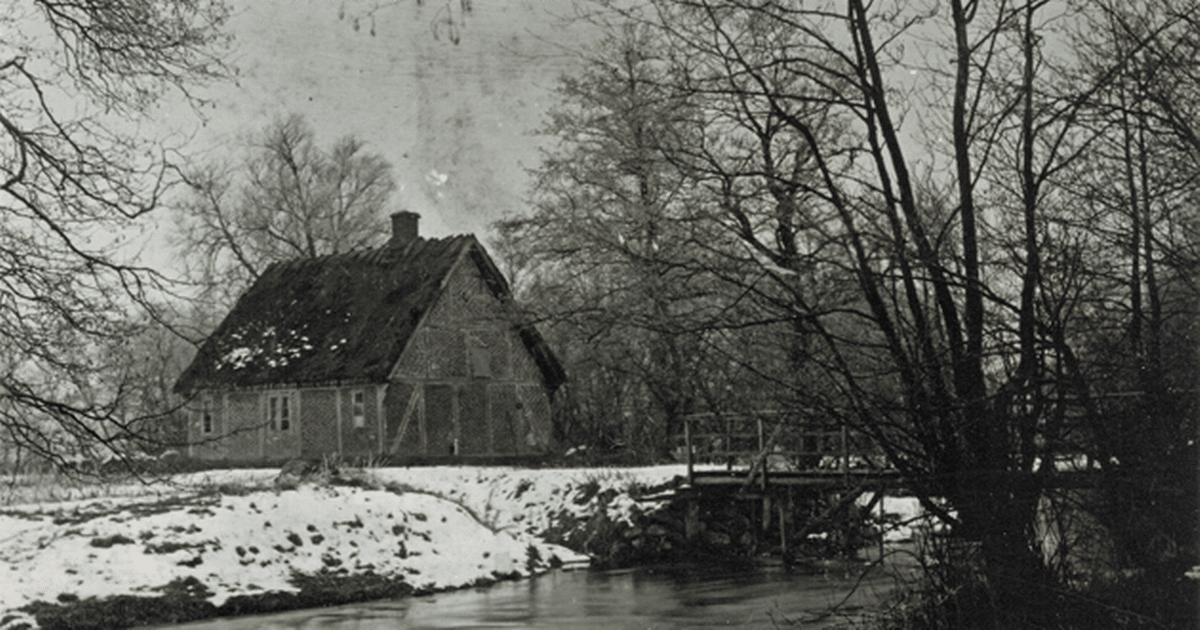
(762, 449)
(778, 458)
(788, 461)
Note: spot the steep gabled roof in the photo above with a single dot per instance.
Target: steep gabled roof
(341, 318)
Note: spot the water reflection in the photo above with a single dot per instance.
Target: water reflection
(693, 596)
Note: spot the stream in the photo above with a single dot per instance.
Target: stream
(677, 596)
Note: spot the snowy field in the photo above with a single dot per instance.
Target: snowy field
(438, 528)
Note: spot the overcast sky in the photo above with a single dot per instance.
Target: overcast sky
(455, 120)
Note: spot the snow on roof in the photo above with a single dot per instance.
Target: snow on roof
(341, 318)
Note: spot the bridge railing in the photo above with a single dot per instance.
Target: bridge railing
(768, 440)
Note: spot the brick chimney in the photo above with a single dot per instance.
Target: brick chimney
(404, 229)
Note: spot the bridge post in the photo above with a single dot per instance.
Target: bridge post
(845, 452)
(881, 526)
(691, 521)
(687, 444)
(762, 455)
(783, 547)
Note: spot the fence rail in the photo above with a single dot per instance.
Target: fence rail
(757, 439)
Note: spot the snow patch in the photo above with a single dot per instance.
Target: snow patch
(438, 528)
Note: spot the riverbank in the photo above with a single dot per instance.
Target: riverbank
(232, 542)
(236, 542)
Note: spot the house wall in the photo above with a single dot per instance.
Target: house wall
(318, 429)
(241, 427)
(199, 439)
(466, 385)
(360, 441)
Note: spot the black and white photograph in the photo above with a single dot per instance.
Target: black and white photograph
(647, 314)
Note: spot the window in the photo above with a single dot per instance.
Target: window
(481, 361)
(359, 409)
(206, 414)
(279, 412)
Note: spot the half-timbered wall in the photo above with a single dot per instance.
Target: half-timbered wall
(247, 425)
(206, 423)
(466, 385)
(360, 421)
(319, 429)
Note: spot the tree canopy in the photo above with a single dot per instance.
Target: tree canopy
(286, 198)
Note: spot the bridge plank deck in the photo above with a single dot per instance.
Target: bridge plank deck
(816, 478)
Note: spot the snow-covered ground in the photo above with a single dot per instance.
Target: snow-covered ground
(900, 518)
(239, 533)
(438, 528)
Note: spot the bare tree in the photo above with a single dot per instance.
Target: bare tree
(288, 198)
(77, 78)
(1134, 226)
(606, 257)
(946, 312)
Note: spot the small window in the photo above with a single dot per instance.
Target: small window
(285, 420)
(359, 410)
(279, 413)
(205, 414)
(481, 362)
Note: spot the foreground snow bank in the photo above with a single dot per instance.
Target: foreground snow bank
(430, 528)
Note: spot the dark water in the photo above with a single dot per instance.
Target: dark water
(695, 596)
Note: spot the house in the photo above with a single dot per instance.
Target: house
(413, 351)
